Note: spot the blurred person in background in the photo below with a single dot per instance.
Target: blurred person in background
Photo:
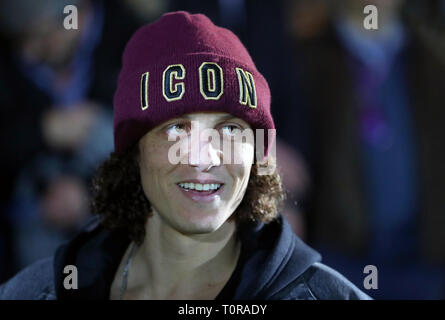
(373, 101)
(56, 118)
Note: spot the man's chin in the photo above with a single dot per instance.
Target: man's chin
(199, 229)
(201, 226)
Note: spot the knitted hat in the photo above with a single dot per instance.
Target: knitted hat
(180, 64)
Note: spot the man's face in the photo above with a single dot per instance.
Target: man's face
(200, 193)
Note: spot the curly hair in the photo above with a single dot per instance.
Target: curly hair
(118, 197)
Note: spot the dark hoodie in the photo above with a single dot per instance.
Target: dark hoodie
(274, 264)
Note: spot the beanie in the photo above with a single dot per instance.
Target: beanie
(180, 64)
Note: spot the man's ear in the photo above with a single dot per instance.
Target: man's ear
(266, 166)
(266, 162)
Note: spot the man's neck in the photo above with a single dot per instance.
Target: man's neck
(171, 265)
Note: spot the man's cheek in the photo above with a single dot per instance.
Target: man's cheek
(235, 152)
(245, 155)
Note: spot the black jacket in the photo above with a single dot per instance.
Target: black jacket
(274, 264)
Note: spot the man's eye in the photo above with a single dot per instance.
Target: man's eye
(177, 128)
(230, 130)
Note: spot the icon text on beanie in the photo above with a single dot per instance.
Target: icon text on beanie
(211, 84)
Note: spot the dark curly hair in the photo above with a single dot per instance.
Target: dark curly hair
(118, 197)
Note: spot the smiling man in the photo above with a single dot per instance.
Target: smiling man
(203, 227)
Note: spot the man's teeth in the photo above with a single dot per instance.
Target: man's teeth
(199, 186)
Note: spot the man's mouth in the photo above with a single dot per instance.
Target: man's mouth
(200, 187)
(201, 190)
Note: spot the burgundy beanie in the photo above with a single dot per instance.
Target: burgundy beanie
(180, 64)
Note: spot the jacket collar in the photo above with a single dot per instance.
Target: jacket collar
(276, 254)
(96, 253)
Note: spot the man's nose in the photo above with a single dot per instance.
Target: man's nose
(203, 154)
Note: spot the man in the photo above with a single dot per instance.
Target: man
(203, 224)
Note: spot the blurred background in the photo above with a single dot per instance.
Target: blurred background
(359, 114)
